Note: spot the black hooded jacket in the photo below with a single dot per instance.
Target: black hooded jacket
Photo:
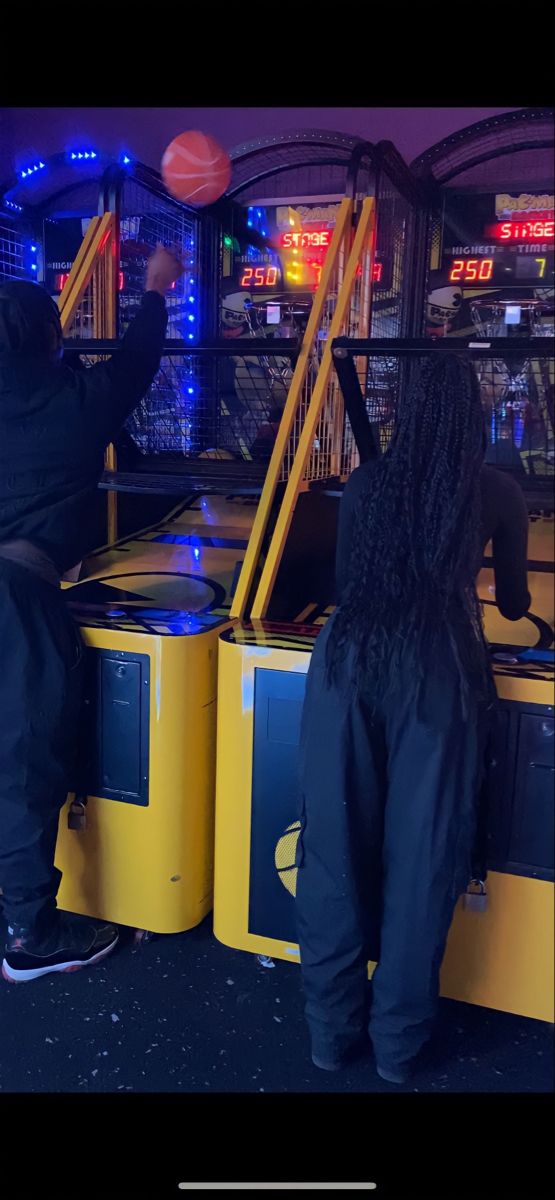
(55, 424)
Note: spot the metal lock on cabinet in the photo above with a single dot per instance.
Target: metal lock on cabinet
(475, 898)
(77, 816)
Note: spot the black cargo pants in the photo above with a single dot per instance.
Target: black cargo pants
(388, 821)
(40, 701)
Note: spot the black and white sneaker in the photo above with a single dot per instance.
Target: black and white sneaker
(69, 945)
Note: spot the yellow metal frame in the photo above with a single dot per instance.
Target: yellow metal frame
(363, 236)
(341, 232)
(96, 242)
(97, 265)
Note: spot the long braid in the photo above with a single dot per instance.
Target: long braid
(416, 539)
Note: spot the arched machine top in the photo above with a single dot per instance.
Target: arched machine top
(72, 176)
(283, 143)
(505, 149)
(313, 162)
(302, 162)
(71, 180)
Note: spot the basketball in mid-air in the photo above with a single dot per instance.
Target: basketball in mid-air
(196, 169)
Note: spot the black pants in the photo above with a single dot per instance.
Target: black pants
(40, 700)
(388, 819)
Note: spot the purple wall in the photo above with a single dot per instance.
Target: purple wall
(145, 132)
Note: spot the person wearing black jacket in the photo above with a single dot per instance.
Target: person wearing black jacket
(398, 707)
(55, 424)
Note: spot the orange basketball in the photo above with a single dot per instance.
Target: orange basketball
(196, 169)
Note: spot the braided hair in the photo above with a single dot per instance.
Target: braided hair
(416, 539)
(26, 314)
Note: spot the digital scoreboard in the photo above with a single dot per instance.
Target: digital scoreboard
(298, 239)
(504, 270)
(498, 241)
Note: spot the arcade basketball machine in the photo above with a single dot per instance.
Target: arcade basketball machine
(135, 843)
(500, 948)
(90, 224)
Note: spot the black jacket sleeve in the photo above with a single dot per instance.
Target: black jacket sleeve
(111, 390)
(510, 550)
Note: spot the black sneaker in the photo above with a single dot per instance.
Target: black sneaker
(70, 945)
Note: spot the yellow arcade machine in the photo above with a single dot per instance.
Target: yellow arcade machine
(500, 947)
(499, 955)
(129, 849)
(136, 837)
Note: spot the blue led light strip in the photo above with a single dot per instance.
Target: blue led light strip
(31, 170)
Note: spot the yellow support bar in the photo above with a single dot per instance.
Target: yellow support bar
(364, 234)
(254, 548)
(107, 282)
(96, 240)
(110, 464)
(73, 285)
(96, 263)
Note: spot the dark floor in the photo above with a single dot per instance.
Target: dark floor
(185, 1014)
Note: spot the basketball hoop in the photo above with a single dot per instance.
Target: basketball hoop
(512, 318)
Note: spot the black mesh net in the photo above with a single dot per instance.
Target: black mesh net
(208, 406)
(518, 400)
(13, 264)
(199, 404)
(166, 421)
(385, 376)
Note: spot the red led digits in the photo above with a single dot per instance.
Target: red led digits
(259, 277)
(466, 270)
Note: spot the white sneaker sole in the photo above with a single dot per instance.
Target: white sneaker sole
(12, 975)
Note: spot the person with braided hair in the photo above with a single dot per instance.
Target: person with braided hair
(55, 423)
(398, 707)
